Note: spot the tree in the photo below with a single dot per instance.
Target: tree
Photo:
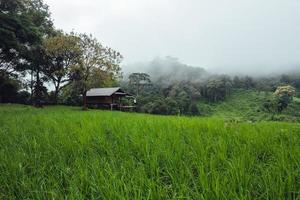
(9, 87)
(35, 55)
(172, 106)
(139, 81)
(70, 95)
(283, 96)
(64, 52)
(183, 101)
(248, 83)
(285, 79)
(99, 66)
(23, 23)
(237, 83)
(266, 84)
(157, 106)
(217, 89)
(37, 65)
(193, 109)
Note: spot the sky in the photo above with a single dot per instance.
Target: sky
(218, 35)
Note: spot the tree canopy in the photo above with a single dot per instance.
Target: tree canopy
(23, 24)
(64, 53)
(98, 67)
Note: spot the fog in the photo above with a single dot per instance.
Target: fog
(222, 36)
(167, 70)
(160, 67)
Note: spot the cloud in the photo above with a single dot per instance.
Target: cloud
(228, 35)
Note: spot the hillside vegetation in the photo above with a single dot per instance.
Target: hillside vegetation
(244, 105)
(63, 152)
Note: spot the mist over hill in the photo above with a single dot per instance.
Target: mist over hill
(254, 70)
(170, 69)
(167, 70)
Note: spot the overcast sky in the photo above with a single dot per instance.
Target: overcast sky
(214, 34)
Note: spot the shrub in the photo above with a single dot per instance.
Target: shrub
(283, 96)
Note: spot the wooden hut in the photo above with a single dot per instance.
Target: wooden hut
(107, 98)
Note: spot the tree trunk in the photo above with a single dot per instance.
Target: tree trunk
(57, 89)
(31, 87)
(56, 94)
(37, 91)
(84, 101)
(55, 97)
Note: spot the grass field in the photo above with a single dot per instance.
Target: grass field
(66, 153)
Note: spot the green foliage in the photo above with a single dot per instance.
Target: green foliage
(159, 106)
(70, 95)
(246, 82)
(10, 90)
(249, 105)
(37, 66)
(172, 100)
(24, 97)
(217, 89)
(63, 52)
(23, 24)
(99, 66)
(172, 106)
(285, 91)
(29, 44)
(239, 105)
(9, 87)
(40, 94)
(193, 109)
(63, 153)
(283, 96)
(139, 81)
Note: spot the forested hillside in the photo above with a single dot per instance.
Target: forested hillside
(249, 106)
(239, 97)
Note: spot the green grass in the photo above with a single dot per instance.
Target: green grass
(66, 153)
(244, 105)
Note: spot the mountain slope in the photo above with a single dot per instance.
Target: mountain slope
(248, 105)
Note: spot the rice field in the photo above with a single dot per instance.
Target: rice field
(65, 153)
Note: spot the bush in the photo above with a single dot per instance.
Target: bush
(24, 97)
(193, 109)
(283, 96)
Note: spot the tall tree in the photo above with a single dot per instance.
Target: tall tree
(64, 52)
(38, 64)
(9, 87)
(139, 81)
(217, 89)
(99, 65)
(249, 83)
(283, 96)
(23, 23)
(35, 55)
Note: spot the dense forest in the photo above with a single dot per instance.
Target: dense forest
(197, 95)
(41, 65)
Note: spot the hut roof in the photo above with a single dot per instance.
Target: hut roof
(104, 91)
